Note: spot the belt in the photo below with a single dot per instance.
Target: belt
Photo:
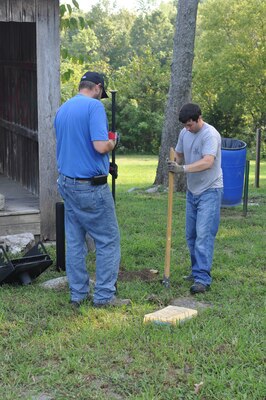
(95, 180)
(79, 179)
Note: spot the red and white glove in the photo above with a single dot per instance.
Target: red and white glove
(114, 136)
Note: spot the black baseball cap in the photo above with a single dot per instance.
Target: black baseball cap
(97, 78)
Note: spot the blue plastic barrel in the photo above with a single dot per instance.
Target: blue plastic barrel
(234, 154)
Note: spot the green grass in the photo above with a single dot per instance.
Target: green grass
(47, 348)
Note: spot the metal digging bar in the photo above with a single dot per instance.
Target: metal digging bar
(113, 92)
(24, 270)
(114, 176)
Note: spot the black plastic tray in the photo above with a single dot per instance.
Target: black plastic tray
(24, 270)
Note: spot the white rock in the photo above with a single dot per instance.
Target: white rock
(60, 283)
(57, 283)
(153, 189)
(132, 189)
(17, 243)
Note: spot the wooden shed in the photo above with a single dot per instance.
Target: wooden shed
(29, 98)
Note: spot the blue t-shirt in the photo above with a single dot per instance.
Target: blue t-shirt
(78, 122)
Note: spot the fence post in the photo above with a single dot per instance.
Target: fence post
(60, 236)
(245, 197)
(257, 167)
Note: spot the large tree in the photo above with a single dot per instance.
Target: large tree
(180, 85)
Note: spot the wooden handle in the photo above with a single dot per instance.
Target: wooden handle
(169, 218)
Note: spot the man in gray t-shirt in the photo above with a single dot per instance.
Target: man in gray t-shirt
(198, 155)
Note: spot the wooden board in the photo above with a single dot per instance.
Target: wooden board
(170, 315)
(21, 212)
(18, 10)
(48, 82)
(20, 223)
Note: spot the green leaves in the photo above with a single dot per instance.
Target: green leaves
(62, 10)
(73, 23)
(229, 65)
(67, 75)
(76, 4)
(135, 52)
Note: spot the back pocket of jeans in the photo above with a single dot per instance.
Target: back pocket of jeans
(85, 199)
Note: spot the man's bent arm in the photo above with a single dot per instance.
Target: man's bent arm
(201, 165)
(104, 146)
(179, 157)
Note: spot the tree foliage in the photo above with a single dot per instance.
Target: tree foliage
(134, 50)
(229, 69)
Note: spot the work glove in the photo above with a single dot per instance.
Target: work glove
(113, 170)
(114, 136)
(174, 167)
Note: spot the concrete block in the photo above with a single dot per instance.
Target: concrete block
(170, 315)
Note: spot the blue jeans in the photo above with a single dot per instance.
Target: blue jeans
(90, 209)
(202, 223)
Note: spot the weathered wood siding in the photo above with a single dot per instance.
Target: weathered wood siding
(48, 83)
(18, 10)
(18, 104)
(29, 98)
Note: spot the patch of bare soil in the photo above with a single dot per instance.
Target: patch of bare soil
(145, 275)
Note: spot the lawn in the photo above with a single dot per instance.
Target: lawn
(50, 351)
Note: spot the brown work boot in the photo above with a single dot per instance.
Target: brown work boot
(199, 288)
(114, 302)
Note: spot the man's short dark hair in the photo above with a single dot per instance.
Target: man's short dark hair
(86, 85)
(189, 111)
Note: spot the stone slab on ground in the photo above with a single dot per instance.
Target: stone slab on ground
(190, 303)
(59, 283)
(170, 315)
(43, 396)
(153, 189)
(133, 189)
(56, 283)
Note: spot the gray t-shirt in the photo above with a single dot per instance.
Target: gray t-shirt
(195, 146)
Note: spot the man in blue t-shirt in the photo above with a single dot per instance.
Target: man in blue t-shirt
(198, 155)
(83, 144)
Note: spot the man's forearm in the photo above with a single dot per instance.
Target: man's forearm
(104, 146)
(179, 157)
(200, 165)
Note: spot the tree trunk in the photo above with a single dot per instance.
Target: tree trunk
(180, 85)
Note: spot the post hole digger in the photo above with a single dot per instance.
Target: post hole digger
(114, 136)
(166, 278)
(113, 170)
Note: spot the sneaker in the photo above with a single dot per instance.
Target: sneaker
(199, 288)
(115, 302)
(189, 278)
